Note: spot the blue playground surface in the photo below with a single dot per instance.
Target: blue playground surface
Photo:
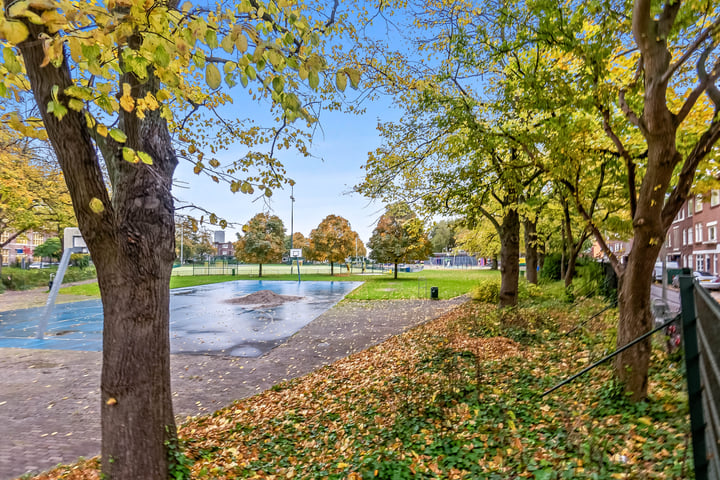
(201, 319)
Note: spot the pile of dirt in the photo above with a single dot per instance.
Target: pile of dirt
(263, 299)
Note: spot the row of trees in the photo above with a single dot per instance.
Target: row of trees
(600, 111)
(608, 106)
(398, 237)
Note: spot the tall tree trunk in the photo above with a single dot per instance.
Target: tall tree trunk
(260, 270)
(131, 240)
(332, 269)
(396, 268)
(531, 251)
(635, 319)
(509, 258)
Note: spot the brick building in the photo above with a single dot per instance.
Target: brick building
(22, 247)
(692, 239)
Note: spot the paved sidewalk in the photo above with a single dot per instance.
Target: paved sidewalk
(50, 399)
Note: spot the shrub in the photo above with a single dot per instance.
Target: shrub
(589, 280)
(487, 291)
(551, 267)
(80, 260)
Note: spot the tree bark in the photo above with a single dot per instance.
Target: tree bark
(531, 251)
(396, 268)
(260, 271)
(131, 240)
(509, 258)
(332, 269)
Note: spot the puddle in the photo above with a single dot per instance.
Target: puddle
(203, 319)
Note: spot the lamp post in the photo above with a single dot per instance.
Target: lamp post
(292, 204)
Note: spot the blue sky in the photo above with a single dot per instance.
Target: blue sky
(322, 182)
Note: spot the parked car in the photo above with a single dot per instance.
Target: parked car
(657, 271)
(705, 279)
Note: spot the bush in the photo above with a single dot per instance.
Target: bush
(487, 291)
(551, 267)
(80, 260)
(589, 280)
(20, 279)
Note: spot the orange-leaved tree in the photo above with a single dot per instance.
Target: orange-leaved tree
(262, 240)
(333, 241)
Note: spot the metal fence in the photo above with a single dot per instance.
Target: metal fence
(701, 337)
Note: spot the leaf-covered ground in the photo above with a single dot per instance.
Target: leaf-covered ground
(455, 398)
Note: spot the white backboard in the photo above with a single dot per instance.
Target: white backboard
(73, 238)
(295, 252)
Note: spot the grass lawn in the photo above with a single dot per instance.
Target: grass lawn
(450, 283)
(457, 397)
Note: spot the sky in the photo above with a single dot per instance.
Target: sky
(323, 182)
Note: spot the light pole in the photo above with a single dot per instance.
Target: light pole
(292, 205)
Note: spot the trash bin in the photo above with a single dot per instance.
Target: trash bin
(434, 293)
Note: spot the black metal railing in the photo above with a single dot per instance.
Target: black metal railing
(701, 338)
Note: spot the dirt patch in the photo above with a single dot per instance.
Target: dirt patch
(263, 299)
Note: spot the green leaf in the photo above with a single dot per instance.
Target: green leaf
(57, 108)
(161, 56)
(129, 155)
(251, 73)
(145, 158)
(212, 76)
(278, 83)
(313, 79)
(11, 61)
(118, 135)
(211, 38)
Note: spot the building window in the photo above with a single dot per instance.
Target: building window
(698, 233)
(37, 239)
(684, 238)
(699, 262)
(715, 198)
(712, 232)
(5, 237)
(6, 255)
(690, 236)
(690, 207)
(698, 203)
(21, 240)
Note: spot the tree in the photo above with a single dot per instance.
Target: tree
(651, 72)
(298, 241)
(50, 249)
(333, 241)
(399, 237)
(442, 236)
(262, 240)
(32, 193)
(106, 78)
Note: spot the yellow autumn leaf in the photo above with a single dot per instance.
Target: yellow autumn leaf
(126, 101)
(212, 76)
(96, 205)
(15, 32)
